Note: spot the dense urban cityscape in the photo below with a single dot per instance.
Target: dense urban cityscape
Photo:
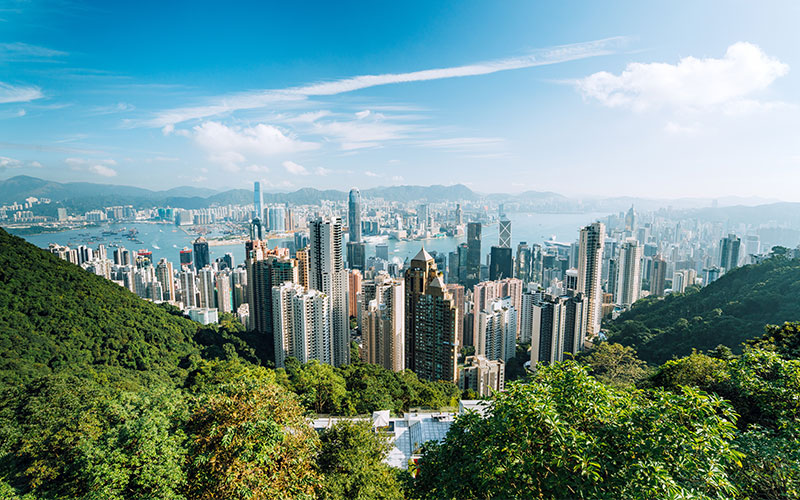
(399, 250)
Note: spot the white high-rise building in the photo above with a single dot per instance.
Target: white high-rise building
(301, 322)
(205, 278)
(383, 323)
(224, 296)
(326, 273)
(496, 337)
(188, 288)
(165, 276)
(590, 263)
(629, 278)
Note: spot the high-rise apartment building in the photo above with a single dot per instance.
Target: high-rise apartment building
(629, 280)
(188, 288)
(481, 375)
(658, 278)
(354, 292)
(166, 277)
(383, 323)
(301, 322)
(431, 316)
(496, 336)
(558, 327)
(487, 292)
(729, 252)
(328, 275)
(224, 295)
(205, 278)
(590, 263)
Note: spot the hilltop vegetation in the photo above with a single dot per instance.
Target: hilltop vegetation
(98, 402)
(729, 311)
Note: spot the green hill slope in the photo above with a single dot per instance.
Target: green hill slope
(55, 316)
(729, 311)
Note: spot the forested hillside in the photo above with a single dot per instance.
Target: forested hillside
(729, 311)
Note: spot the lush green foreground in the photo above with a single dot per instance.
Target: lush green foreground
(729, 311)
(105, 396)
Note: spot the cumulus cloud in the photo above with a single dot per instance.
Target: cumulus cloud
(102, 170)
(691, 84)
(370, 174)
(295, 168)
(13, 93)
(366, 131)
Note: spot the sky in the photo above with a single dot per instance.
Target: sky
(649, 99)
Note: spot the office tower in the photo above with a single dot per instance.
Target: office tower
(630, 221)
(202, 257)
(224, 295)
(423, 218)
(590, 262)
(354, 292)
(205, 278)
(101, 252)
(300, 240)
(537, 263)
(256, 229)
(571, 280)
(658, 280)
(354, 216)
(226, 261)
(302, 267)
(356, 255)
(629, 281)
(123, 257)
(504, 235)
(186, 257)
(301, 322)
(431, 315)
(473, 268)
(459, 296)
(383, 323)
(266, 268)
(452, 267)
(165, 276)
(239, 287)
(276, 218)
(529, 299)
(188, 288)
(459, 215)
(482, 376)
(679, 282)
(327, 274)
(382, 251)
(496, 336)
(522, 265)
(463, 254)
(258, 202)
(502, 263)
(729, 252)
(558, 328)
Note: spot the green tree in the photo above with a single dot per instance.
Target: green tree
(320, 387)
(351, 460)
(567, 435)
(614, 364)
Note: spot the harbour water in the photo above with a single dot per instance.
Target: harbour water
(166, 240)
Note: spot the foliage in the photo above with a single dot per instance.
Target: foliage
(728, 311)
(351, 460)
(567, 435)
(614, 364)
(515, 367)
(251, 440)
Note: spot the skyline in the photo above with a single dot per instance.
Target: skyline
(572, 101)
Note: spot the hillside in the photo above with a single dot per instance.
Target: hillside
(54, 316)
(729, 311)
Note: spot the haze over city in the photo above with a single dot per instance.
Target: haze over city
(661, 101)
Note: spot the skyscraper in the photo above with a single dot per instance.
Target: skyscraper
(658, 281)
(501, 263)
(383, 323)
(522, 265)
(205, 277)
(301, 322)
(202, 257)
(431, 315)
(356, 255)
(496, 337)
(188, 288)
(504, 235)
(473, 269)
(558, 327)
(629, 281)
(327, 274)
(354, 215)
(258, 201)
(729, 252)
(166, 277)
(224, 295)
(590, 262)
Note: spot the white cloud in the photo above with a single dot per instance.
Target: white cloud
(295, 169)
(254, 100)
(11, 93)
(691, 84)
(397, 178)
(79, 162)
(368, 130)
(6, 163)
(257, 168)
(678, 129)
(35, 164)
(102, 170)
(21, 113)
(18, 51)
(321, 171)
(260, 140)
(370, 174)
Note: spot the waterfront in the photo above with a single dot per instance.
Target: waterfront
(166, 240)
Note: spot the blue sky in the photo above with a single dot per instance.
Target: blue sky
(583, 98)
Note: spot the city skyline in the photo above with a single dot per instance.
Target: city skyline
(378, 95)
